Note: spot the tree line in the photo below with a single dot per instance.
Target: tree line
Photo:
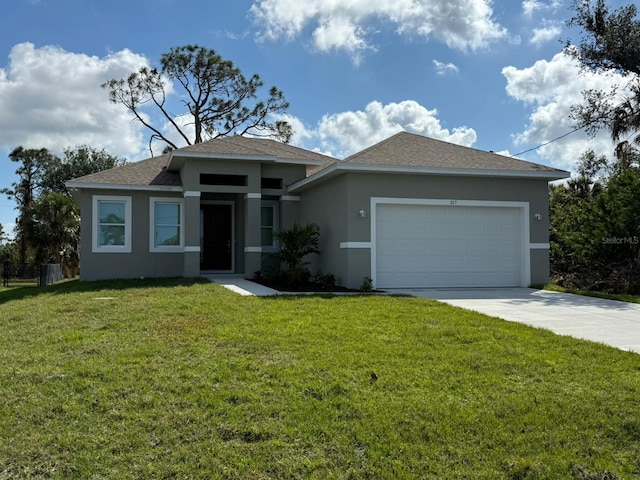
(48, 223)
(595, 217)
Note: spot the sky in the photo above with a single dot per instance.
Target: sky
(488, 74)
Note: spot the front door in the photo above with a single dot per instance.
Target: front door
(216, 237)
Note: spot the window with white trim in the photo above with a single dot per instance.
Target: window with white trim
(111, 224)
(268, 225)
(166, 225)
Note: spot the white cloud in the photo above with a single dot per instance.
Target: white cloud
(52, 98)
(301, 133)
(342, 134)
(348, 24)
(546, 34)
(552, 87)
(445, 68)
(530, 7)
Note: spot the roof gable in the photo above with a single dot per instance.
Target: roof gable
(163, 171)
(249, 148)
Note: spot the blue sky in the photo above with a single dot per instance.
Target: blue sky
(481, 73)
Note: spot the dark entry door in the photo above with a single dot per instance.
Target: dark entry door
(216, 237)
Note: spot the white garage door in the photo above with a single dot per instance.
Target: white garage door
(448, 246)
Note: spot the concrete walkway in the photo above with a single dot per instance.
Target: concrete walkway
(605, 321)
(243, 286)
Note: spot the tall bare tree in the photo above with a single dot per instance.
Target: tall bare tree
(218, 100)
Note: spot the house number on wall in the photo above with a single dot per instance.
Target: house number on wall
(453, 202)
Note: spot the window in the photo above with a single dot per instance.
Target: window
(111, 224)
(223, 180)
(166, 227)
(268, 226)
(272, 183)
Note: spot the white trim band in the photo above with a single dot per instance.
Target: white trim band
(290, 198)
(355, 244)
(191, 193)
(256, 196)
(192, 249)
(252, 249)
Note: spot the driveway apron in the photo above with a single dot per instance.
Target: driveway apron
(605, 321)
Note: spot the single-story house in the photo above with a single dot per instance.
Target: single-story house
(409, 211)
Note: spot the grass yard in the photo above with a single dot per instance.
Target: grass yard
(590, 293)
(183, 379)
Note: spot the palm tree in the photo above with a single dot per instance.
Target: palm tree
(296, 243)
(626, 123)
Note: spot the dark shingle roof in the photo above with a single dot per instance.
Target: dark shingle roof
(410, 150)
(151, 171)
(257, 147)
(248, 146)
(154, 172)
(401, 150)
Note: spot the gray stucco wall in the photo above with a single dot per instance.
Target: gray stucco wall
(539, 267)
(335, 205)
(326, 205)
(254, 171)
(140, 262)
(143, 263)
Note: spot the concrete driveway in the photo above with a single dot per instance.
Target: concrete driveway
(605, 321)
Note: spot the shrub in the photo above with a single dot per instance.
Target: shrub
(366, 285)
(295, 244)
(326, 282)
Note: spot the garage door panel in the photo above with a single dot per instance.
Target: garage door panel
(435, 245)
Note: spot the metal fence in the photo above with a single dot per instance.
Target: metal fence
(42, 275)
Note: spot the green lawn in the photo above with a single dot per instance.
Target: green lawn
(17, 284)
(590, 293)
(180, 379)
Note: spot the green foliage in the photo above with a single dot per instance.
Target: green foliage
(595, 232)
(611, 41)
(366, 285)
(218, 98)
(48, 222)
(295, 244)
(33, 166)
(325, 281)
(77, 162)
(182, 379)
(54, 227)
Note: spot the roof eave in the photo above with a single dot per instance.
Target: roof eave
(339, 168)
(120, 186)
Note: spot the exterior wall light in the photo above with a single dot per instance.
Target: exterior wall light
(362, 214)
(537, 216)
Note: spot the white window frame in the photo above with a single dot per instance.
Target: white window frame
(153, 201)
(95, 228)
(276, 225)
